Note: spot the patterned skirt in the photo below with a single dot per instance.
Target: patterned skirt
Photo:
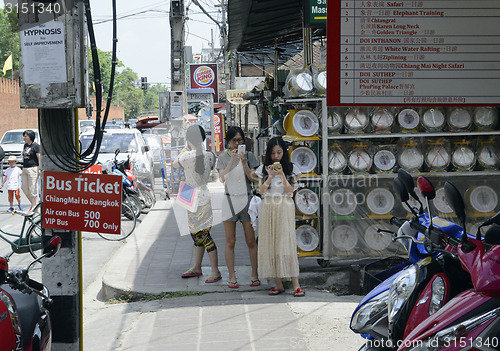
(201, 219)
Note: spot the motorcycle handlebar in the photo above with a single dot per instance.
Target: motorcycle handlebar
(396, 221)
(35, 285)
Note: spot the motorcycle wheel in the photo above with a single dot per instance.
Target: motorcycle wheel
(148, 200)
(127, 225)
(135, 203)
(34, 236)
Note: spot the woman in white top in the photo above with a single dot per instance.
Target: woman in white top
(277, 247)
(197, 164)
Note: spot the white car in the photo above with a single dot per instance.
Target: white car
(13, 142)
(86, 125)
(129, 142)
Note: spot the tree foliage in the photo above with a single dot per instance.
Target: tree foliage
(9, 40)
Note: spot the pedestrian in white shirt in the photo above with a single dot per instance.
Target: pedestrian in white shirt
(13, 179)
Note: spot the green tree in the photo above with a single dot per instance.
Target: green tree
(105, 66)
(9, 40)
(151, 97)
(128, 96)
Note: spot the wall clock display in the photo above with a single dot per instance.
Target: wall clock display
(384, 160)
(437, 157)
(335, 121)
(304, 158)
(337, 160)
(344, 237)
(459, 119)
(343, 202)
(356, 120)
(305, 123)
(463, 157)
(487, 155)
(441, 203)
(307, 237)
(410, 158)
(483, 199)
(306, 201)
(382, 120)
(320, 82)
(485, 118)
(433, 120)
(380, 201)
(408, 119)
(375, 240)
(359, 160)
(300, 83)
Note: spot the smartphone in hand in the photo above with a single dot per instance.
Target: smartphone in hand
(241, 149)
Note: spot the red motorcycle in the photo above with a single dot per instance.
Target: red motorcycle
(24, 319)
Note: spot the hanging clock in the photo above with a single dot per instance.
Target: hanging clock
(382, 120)
(375, 240)
(335, 121)
(437, 158)
(343, 202)
(483, 199)
(337, 160)
(433, 119)
(304, 158)
(320, 82)
(485, 117)
(463, 158)
(356, 120)
(441, 203)
(303, 83)
(487, 156)
(307, 237)
(384, 160)
(359, 160)
(380, 201)
(411, 159)
(408, 119)
(306, 201)
(344, 237)
(459, 119)
(305, 123)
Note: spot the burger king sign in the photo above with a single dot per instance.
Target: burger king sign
(204, 76)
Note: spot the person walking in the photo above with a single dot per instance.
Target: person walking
(237, 170)
(197, 164)
(31, 164)
(13, 179)
(277, 248)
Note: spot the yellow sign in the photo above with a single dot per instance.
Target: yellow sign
(236, 97)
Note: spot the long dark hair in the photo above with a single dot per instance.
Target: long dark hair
(286, 165)
(195, 134)
(231, 133)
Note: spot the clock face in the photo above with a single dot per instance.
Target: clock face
(343, 202)
(411, 159)
(304, 158)
(336, 160)
(360, 160)
(382, 119)
(437, 158)
(344, 237)
(384, 160)
(485, 117)
(306, 201)
(320, 81)
(441, 203)
(488, 157)
(335, 121)
(305, 123)
(356, 120)
(304, 82)
(380, 201)
(375, 240)
(433, 119)
(460, 118)
(463, 158)
(408, 118)
(307, 237)
(483, 199)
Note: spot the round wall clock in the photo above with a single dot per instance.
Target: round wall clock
(304, 158)
(320, 82)
(337, 160)
(306, 201)
(463, 158)
(380, 201)
(382, 120)
(304, 83)
(343, 202)
(375, 240)
(459, 119)
(485, 117)
(359, 160)
(441, 203)
(344, 237)
(384, 160)
(433, 119)
(305, 123)
(483, 199)
(487, 156)
(307, 237)
(356, 120)
(411, 159)
(438, 158)
(408, 118)
(335, 121)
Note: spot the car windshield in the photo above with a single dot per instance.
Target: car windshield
(89, 123)
(111, 142)
(15, 138)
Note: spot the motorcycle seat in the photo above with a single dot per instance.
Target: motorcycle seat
(28, 308)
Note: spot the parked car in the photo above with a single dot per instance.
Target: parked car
(13, 142)
(131, 143)
(87, 125)
(154, 143)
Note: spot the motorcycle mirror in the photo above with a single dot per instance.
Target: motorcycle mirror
(407, 179)
(4, 270)
(492, 235)
(52, 247)
(401, 190)
(117, 151)
(456, 203)
(426, 188)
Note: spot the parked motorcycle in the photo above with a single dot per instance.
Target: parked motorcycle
(145, 191)
(471, 320)
(24, 318)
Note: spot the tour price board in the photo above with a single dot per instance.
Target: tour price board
(82, 202)
(413, 52)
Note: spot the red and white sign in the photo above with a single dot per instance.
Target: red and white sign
(204, 76)
(82, 202)
(236, 97)
(94, 169)
(218, 133)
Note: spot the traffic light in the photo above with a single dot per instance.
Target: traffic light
(144, 83)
